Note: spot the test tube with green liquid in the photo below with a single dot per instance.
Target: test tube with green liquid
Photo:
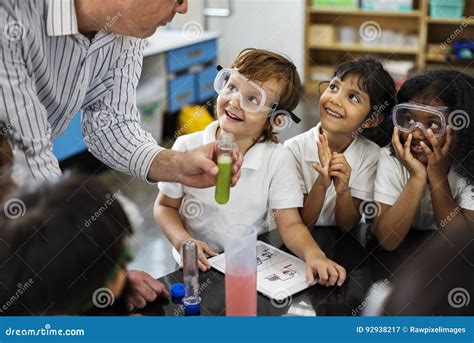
(225, 148)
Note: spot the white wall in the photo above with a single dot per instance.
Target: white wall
(277, 25)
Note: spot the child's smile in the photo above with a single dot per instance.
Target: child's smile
(343, 105)
(230, 114)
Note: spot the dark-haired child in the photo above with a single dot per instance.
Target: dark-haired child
(337, 159)
(62, 249)
(425, 179)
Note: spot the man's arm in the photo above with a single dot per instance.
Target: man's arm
(111, 125)
(22, 110)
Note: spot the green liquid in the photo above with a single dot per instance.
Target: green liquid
(223, 179)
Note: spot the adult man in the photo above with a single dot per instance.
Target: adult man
(58, 57)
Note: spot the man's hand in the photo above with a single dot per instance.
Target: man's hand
(143, 289)
(195, 168)
(198, 169)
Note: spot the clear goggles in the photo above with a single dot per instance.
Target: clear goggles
(409, 116)
(253, 98)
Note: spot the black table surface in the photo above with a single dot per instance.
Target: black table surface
(356, 250)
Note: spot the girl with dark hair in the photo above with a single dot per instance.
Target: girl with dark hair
(425, 179)
(337, 159)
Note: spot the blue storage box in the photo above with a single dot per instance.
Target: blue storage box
(446, 8)
(205, 83)
(181, 91)
(387, 5)
(189, 56)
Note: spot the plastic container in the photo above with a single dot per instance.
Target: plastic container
(347, 35)
(322, 34)
(240, 244)
(446, 8)
(387, 5)
(336, 3)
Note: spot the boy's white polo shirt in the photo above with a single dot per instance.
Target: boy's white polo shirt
(268, 181)
(392, 178)
(362, 155)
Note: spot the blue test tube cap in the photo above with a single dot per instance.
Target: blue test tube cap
(192, 310)
(177, 290)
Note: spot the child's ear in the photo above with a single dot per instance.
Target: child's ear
(374, 120)
(279, 120)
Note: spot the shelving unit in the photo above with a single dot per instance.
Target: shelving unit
(430, 32)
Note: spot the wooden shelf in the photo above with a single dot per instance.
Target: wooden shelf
(362, 13)
(380, 49)
(428, 30)
(435, 58)
(448, 21)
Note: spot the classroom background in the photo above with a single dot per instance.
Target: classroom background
(175, 94)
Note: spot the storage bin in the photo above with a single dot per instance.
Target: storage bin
(322, 34)
(446, 8)
(387, 5)
(337, 3)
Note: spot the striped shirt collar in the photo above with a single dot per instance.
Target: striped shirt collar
(62, 19)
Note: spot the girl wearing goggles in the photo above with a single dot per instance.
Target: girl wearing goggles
(424, 181)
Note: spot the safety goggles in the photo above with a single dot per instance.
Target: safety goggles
(253, 98)
(409, 116)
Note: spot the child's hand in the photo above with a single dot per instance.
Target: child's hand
(404, 155)
(324, 154)
(439, 160)
(203, 249)
(340, 171)
(329, 272)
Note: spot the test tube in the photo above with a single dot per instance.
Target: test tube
(225, 148)
(191, 299)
